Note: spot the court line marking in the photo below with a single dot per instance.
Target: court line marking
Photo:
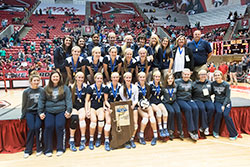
(223, 142)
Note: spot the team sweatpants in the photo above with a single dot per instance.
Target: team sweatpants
(34, 129)
(54, 121)
(228, 120)
(191, 113)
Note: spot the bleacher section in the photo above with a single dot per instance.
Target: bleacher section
(57, 22)
(161, 15)
(216, 15)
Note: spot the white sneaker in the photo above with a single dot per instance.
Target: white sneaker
(59, 153)
(48, 154)
(39, 153)
(206, 131)
(26, 155)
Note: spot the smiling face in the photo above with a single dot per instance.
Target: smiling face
(76, 51)
(79, 78)
(142, 78)
(203, 75)
(165, 42)
(181, 41)
(170, 80)
(98, 79)
(96, 53)
(95, 39)
(129, 40)
(113, 52)
(81, 42)
(128, 78)
(218, 77)
(115, 78)
(157, 77)
(128, 55)
(67, 42)
(35, 82)
(197, 35)
(112, 38)
(142, 53)
(55, 78)
(142, 42)
(186, 75)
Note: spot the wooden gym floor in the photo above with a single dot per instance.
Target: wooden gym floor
(209, 152)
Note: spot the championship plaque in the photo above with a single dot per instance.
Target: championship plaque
(122, 121)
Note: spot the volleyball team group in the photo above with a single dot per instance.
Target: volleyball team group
(157, 80)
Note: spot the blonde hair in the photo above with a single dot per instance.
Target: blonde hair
(218, 71)
(75, 47)
(34, 74)
(157, 72)
(115, 73)
(96, 48)
(128, 50)
(79, 73)
(142, 49)
(202, 71)
(158, 45)
(127, 73)
(186, 70)
(141, 73)
(111, 48)
(97, 74)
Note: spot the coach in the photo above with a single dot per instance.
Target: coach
(202, 52)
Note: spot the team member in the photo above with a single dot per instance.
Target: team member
(94, 105)
(146, 113)
(111, 63)
(128, 43)
(79, 90)
(112, 40)
(129, 91)
(157, 51)
(157, 104)
(142, 44)
(74, 64)
(94, 64)
(60, 54)
(95, 43)
(54, 105)
(167, 59)
(222, 102)
(143, 63)
(81, 43)
(187, 105)
(201, 94)
(29, 111)
(129, 63)
(172, 106)
(183, 57)
(111, 94)
(202, 52)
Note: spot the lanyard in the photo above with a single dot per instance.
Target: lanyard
(112, 65)
(79, 93)
(95, 65)
(171, 92)
(129, 92)
(142, 66)
(164, 54)
(158, 89)
(197, 44)
(180, 50)
(73, 64)
(143, 90)
(99, 93)
(114, 91)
